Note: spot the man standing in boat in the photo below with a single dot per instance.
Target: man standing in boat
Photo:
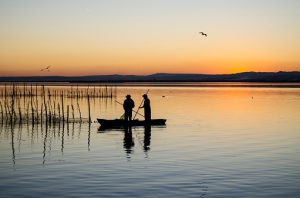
(128, 105)
(147, 108)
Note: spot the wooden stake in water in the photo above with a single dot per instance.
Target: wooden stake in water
(20, 112)
(37, 103)
(50, 112)
(89, 108)
(45, 105)
(1, 112)
(73, 116)
(12, 106)
(58, 107)
(54, 113)
(62, 107)
(42, 113)
(79, 112)
(32, 110)
(68, 114)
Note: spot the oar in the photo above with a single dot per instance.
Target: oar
(140, 105)
(132, 109)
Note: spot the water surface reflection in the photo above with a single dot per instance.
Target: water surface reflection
(218, 142)
(128, 140)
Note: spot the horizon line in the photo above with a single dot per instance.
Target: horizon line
(116, 74)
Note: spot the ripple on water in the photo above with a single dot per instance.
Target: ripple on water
(216, 143)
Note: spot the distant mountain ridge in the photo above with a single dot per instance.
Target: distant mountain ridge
(281, 76)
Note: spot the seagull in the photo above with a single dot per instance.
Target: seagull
(203, 34)
(46, 68)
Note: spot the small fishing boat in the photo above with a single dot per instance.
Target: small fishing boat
(119, 123)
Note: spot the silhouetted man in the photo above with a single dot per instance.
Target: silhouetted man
(147, 108)
(128, 105)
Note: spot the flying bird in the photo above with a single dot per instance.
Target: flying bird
(46, 68)
(203, 34)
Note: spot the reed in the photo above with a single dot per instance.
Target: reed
(39, 104)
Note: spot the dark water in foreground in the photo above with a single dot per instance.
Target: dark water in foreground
(218, 142)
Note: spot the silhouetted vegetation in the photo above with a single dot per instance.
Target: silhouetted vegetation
(29, 103)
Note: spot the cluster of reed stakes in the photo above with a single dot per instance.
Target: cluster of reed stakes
(38, 104)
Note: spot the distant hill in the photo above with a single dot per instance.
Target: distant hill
(166, 77)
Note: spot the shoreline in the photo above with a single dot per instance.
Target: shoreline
(164, 84)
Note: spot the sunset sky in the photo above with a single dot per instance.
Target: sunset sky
(89, 37)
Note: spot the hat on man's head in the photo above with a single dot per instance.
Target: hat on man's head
(128, 96)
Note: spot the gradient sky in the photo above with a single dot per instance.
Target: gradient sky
(87, 37)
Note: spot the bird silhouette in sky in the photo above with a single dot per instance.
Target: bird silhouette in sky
(46, 68)
(203, 34)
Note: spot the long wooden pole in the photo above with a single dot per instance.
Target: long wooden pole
(132, 110)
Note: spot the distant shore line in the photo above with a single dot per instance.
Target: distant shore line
(164, 84)
(246, 77)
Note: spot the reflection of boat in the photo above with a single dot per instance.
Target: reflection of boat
(119, 123)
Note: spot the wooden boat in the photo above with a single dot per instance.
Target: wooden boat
(119, 123)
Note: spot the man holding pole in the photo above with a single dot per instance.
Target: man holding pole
(128, 105)
(147, 108)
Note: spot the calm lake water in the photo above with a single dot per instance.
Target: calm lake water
(218, 142)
